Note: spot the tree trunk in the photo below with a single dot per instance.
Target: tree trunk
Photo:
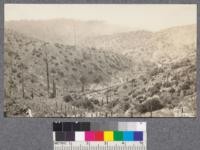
(54, 89)
(22, 71)
(32, 95)
(47, 73)
(151, 110)
(32, 81)
(83, 87)
(107, 98)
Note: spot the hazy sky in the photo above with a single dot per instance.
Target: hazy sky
(150, 17)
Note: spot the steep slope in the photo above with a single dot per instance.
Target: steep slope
(167, 91)
(165, 45)
(169, 44)
(140, 74)
(120, 42)
(147, 49)
(66, 64)
(167, 86)
(63, 30)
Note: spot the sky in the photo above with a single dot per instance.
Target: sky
(152, 17)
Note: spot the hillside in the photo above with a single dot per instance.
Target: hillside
(140, 74)
(63, 30)
(101, 35)
(167, 91)
(169, 44)
(147, 49)
(119, 42)
(69, 66)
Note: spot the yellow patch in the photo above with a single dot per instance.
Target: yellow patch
(108, 135)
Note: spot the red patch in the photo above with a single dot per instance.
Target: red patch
(99, 136)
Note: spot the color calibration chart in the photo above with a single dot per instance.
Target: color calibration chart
(99, 135)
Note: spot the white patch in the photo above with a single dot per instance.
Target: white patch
(29, 113)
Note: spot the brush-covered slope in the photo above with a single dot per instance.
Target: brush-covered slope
(169, 44)
(67, 64)
(139, 74)
(141, 45)
(63, 30)
(167, 91)
(119, 42)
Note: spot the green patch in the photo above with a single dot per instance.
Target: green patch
(118, 136)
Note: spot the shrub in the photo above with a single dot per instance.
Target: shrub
(14, 70)
(90, 72)
(125, 87)
(67, 98)
(84, 66)
(186, 85)
(154, 90)
(183, 63)
(51, 95)
(167, 84)
(77, 61)
(19, 75)
(125, 106)
(151, 104)
(53, 70)
(66, 60)
(158, 85)
(189, 92)
(166, 97)
(61, 73)
(126, 98)
(130, 93)
(139, 97)
(143, 79)
(86, 56)
(93, 48)
(156, 71)
(38, 55)
(176, 65)
(98, 79)
(86, 104)
(74, 69)
(134, 95)
(113, 103)
(192, 68)
(109, 72)
(66, 68)
(172, 90)
(53, 57)
(58, 45)
(176, 77)
(95, 101)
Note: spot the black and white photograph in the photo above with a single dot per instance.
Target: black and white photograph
(100, 60)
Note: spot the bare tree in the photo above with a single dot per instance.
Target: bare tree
(22, 67)
(32, 81)
(83, 81)
(47, 71)
(54, 89)
(107, 96)
(102, 102)
(132, 83)
(10, 81)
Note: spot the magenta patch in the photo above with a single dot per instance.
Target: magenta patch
(89, 136)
